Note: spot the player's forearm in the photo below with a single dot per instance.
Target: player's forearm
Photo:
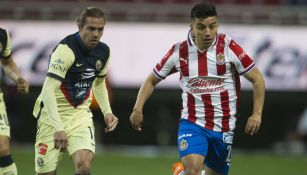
(10, 69)
(49, 99)
(145, 92)
(101, 94)
(258, 95)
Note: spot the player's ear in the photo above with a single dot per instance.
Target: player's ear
(192, 29)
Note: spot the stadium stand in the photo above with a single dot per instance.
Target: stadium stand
(292, 12)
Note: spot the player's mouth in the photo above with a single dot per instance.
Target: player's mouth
(208, 40)
(94, 41)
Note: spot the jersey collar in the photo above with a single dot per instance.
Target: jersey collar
(81, 44)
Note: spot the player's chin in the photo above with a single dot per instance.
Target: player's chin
(208, 41)
(94, 43)
(91, 45)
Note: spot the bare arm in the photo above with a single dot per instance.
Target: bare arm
(145, 92)
(254, 121)
(13, 73)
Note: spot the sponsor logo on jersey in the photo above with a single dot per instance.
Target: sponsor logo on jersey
(58, 67)
(184, 135)
(205, 85)
(81, 93)
(40, 162)
(42, 148)
(220, 59)
(83, 84)
(59, 61)
(183, 145)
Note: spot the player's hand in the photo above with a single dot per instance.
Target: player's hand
(22, 86)
(253, 124)
(60, 140)
(136, 120)
(111, 122)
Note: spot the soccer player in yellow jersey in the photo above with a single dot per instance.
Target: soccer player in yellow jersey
(77, 68)
(7, 165)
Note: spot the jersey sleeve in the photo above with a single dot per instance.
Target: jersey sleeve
(104, 71)
(166, 66)
(8, 49)
(240, 59)
(60, 61)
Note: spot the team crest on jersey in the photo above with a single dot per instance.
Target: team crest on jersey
(98, 64)
(40, 162)
(220, 59)
(183, 145)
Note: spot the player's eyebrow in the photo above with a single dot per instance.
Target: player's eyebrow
(202, 24)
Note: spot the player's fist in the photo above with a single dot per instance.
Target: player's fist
(136, 120)
(253, 124)
(111, 122)
(60, 141)
(22, 86)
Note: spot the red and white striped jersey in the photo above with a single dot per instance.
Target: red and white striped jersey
(209, 80)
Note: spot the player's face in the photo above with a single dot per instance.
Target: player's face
(92, 31)
(205, 31)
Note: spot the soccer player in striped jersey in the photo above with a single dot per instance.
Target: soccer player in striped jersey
(7, 165)
(77, 69)
(209, 64)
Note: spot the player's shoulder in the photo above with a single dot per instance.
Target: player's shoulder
(4, 38)
(65, 47)
(227, 39)
(2, 31)
(103, 49)
(103, 46)
(69, 40)
(180, 45)
(67, 44)
(3, 34)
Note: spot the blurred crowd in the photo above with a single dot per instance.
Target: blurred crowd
(291, 12)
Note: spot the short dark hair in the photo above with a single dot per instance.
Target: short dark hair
(89, 12)
(203, 10)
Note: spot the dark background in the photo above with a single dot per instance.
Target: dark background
(161, 114)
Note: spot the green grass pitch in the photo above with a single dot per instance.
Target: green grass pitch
(127, 163)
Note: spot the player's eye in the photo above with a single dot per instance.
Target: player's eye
(91, 29)
(201, 27)
(100, 29)
(212, 27)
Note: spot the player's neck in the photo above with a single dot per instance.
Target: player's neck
(202, 46)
